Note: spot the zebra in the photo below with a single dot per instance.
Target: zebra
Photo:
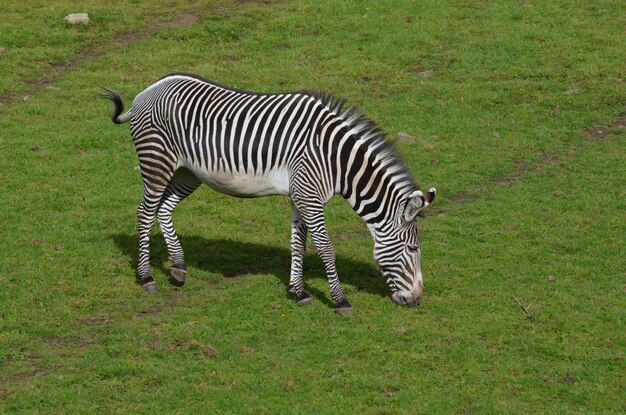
(188, 130)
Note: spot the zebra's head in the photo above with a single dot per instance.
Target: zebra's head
(398, 251)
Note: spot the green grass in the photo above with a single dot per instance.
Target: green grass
(530, 206)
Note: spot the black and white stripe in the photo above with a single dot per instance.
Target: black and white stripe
(188, 130)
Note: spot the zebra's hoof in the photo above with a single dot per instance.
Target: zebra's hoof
(305, 299)
(178, 275)
(150, 287)
(344, 308)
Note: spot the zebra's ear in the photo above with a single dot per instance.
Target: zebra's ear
(416, 202)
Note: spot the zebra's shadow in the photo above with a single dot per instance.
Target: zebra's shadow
(234, 259)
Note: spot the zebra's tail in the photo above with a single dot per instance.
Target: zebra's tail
(118, 107)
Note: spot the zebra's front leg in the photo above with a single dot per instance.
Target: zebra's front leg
(298, 249)
(314, 220)
(182, 185)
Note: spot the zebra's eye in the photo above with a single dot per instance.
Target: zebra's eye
(412, 248)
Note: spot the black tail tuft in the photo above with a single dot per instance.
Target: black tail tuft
(118, 105)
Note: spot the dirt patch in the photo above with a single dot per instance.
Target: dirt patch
(72, 342)
(183, 19)
(523, 165)
(569, 379)
(35, 369)
(152, 311)
(158, 308)
(462, 196)
(524, 168)
(92, 321)
(603, 133)
(619, 123)
(374, 83)
(341, 236)
(504, 179)
(195, 348)
(597, 133)
(29, 374)
(266, 2)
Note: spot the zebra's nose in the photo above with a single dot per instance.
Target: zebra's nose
(416, 296)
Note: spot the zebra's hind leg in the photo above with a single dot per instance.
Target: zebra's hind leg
(182, 184)
(145, 217)
(298, 249)
(157, 172)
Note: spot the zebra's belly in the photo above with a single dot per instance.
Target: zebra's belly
(241, 184)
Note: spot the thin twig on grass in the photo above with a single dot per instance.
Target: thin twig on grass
(524, 308)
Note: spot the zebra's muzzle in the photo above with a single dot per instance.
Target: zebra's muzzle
(409, 298)
(414, 303)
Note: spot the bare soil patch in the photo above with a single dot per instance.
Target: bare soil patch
(462, 196)
(70, 342)
(524, 168)
(603, 133)
(596, 133)
(182, 20)
(619, 123)
(266, 2)
(29, 374)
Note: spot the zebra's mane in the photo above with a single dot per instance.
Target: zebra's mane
(369, 132)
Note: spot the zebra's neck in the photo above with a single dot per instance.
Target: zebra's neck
(365, 169)
(371, 176)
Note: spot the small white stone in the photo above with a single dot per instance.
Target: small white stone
(76, 18)
(426, 74)
(400, 136)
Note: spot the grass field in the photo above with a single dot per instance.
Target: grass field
(518, 107)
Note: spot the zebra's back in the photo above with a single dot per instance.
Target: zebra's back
(237, 142)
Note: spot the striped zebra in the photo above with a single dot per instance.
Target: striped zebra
(188, 130)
